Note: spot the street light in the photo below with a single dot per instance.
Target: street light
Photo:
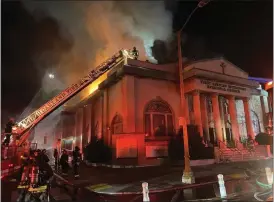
(188, 177)
(51, 76)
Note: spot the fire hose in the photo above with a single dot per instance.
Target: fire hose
(268, 190)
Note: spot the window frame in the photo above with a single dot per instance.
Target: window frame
(151, 114)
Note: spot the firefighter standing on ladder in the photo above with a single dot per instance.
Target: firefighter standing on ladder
(135, 53)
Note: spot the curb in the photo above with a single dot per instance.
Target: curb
(115, 166)
(167, 189)
(143, 166)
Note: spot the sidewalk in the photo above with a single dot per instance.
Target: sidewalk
(125, 181)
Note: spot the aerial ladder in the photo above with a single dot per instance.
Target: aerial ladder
(22, 129)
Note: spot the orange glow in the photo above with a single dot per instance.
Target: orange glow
(127, 147)
(91, 88)
(269, 85)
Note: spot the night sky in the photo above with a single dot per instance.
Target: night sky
(240, 31)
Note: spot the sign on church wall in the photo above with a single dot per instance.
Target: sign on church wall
(126, 148)
(222, 88)
(156, 151)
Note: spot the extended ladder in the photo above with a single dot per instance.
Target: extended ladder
(38, 115)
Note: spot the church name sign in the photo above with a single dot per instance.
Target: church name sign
(224, 88)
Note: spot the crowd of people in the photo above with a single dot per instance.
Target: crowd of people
(40, 160)
(36, 159)
(63, 161)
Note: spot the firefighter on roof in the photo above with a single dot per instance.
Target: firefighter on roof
(135, 53)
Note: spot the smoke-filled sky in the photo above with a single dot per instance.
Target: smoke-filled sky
(69, 38)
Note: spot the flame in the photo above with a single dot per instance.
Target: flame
(269, 83)
(91, 88)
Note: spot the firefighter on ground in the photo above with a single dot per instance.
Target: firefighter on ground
(44, 155)
(64, 162)
(8, 131)
(56, 158)
(24, 176)
(24, 168)
(45, 171)
(76, 155)
(135, 53)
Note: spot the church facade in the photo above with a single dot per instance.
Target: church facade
(136, 107)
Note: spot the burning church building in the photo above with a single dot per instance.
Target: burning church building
(135, 109)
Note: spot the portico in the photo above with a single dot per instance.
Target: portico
(216, 88)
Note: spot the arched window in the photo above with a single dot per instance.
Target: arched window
(117, 124)
(158, 119)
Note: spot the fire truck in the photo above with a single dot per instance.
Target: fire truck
(22, 129)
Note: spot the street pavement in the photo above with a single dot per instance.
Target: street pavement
(124, 185)
(111, 181)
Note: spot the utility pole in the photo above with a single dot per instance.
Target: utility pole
(188, 177)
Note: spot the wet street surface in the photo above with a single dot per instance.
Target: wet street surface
(9, 193)
(237, 189)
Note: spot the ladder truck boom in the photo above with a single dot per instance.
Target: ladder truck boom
(21, 128)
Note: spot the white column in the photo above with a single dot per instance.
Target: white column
(233, 119)
(264, 111)
(249, 128)
(217, 117)
(205, 117)
(223, 118)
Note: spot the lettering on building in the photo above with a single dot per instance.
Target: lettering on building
(223, 87)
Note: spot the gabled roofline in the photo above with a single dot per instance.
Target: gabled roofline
(216, 58)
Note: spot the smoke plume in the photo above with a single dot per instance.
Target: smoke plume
(99, 29)
(96, 30)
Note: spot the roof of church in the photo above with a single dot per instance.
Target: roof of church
(211, 59)
(163, 71)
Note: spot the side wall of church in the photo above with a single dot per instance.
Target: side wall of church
(128, 98)
(115, 101)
